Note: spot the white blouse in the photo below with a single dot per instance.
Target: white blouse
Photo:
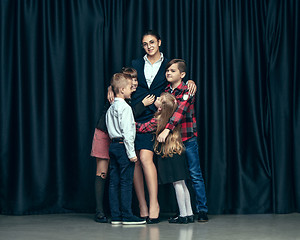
(150, 70)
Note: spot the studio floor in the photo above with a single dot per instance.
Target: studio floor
(82, 226)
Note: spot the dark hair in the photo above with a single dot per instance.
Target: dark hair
(152, 33)
(130, 71)
(180, 62)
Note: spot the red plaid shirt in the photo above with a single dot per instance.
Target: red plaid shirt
(147, 127)
(185, 113)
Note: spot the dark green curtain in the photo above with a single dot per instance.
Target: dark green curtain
(56, 60)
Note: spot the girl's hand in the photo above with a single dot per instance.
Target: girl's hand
(110, 95)
(148, 100)
(163, 135)
(192, 87)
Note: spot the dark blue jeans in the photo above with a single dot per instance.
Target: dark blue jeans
(121, 179)
(192, 154)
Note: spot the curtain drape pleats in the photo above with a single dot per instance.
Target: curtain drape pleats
(56, 61)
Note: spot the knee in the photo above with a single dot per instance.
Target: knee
(103, 175)
(114, 182)
(196, 177)
(138, 164)
(146, 160)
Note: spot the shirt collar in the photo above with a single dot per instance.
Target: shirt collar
(118, 99)
(180, 86)
(159, 60)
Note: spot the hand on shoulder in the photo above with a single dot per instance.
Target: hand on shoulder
(192, 87)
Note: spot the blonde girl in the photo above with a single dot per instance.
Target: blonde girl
(171, 163)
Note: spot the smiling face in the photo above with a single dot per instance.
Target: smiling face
(134, 84)
(158, 102)
(127, 90)
(151, 45)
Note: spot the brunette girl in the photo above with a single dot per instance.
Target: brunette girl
(152, 81)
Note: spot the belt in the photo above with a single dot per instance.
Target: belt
(115, 140)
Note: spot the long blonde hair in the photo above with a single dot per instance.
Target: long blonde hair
(173, 143)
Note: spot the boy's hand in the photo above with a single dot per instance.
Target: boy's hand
(110, 95)
(148, 100)
(134, 159)
(163, 135)
(192, 87)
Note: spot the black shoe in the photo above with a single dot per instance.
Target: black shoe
(134, 220)
(116, 221)
(178, 219)
(190, 219)
(100, 217)
(202, 217)
(152, 220)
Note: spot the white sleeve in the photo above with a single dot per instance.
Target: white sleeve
(128, 130)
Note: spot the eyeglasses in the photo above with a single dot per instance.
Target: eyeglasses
(150, 44)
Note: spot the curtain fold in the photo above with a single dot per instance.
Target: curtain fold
(56, 61)
(283, 83)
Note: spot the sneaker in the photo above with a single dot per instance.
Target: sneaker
(116, 221)
(190, 219)
(202, 217)
(134, 220)
(178, 219)
(100, 217)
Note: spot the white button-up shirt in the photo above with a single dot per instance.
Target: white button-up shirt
(120, 124)
(150, 70)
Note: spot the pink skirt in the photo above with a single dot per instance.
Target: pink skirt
(100, 145)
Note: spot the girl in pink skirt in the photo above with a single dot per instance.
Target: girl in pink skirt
(101, 142)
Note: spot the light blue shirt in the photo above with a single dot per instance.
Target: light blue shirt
(120, 124)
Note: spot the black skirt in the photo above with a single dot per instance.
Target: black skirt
(172, 169)
(144, 141)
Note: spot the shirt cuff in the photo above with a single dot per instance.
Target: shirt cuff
(132, 155)
(170, 127)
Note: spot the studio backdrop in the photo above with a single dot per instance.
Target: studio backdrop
(56, 61)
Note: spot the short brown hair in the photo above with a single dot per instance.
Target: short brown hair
(180, 63)
(119, 80)
(130, 71)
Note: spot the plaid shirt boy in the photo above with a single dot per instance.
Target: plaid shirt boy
(185, 113)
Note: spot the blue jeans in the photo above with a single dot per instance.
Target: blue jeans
(121, 179)
(192, 154)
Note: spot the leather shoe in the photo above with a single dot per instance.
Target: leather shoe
(190, 219)
(178, 219)
(152, 220)
(202, 217)
(100, 217)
